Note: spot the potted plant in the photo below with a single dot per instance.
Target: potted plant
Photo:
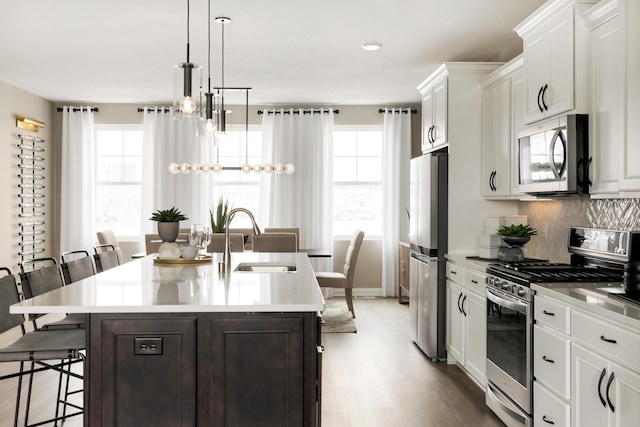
(220, 218)
(168, 223)
(516, 235)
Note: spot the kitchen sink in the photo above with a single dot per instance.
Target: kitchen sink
(267, 267)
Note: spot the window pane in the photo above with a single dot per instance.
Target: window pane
(109, 142)
(132, 169)
(369, 143)
(239, 196)
(118, 208)
(370, 169)
(132, 145)
(357, 206)
(109, 169)
(344, 143)
(344, 169)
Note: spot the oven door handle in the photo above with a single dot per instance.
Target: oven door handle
(513, 305)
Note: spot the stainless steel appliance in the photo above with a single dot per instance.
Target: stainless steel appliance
(554, 156)
(428, 241)
(596, 256)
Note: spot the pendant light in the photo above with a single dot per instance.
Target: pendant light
(186, 88)
(209, 125)
(221, 131)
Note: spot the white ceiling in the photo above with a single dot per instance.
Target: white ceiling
(288, 51)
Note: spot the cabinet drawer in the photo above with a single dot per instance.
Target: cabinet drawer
(551, 360)
(474, 281)
(549, 410)
(552, 313)
(609, 339)
(455, 273)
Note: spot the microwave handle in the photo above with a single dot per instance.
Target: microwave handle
(558, 135)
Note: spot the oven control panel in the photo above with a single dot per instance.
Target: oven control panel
(509, 287)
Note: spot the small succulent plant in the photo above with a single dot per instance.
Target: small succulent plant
(168, 215)
(517, 230)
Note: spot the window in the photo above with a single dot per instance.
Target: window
(239, 188)
(357, 180)
(118, 167)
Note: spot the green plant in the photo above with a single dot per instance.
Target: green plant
(218, 221)
(168, 215)
(518, 230)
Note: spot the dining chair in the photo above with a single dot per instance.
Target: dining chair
(218, 240)
(295, 230)
(105, 257)
(108, 237)
(275, 242)
(76, 265)
(41, 275)
(38, 348)
(330, 279)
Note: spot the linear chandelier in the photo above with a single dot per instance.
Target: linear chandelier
(214, 129)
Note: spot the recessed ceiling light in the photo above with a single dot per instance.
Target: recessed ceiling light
(371, 45)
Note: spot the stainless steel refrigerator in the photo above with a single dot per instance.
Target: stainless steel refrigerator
(428, 240)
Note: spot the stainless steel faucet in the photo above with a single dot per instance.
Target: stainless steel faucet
(226, 260)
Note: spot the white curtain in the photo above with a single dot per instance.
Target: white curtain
(396, 154)
(303, 199)
(166, 140)
(77, 216)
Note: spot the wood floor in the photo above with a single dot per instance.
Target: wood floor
(373, 378)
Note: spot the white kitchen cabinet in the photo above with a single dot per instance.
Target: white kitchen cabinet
(555, 59)
(502, 113)
(629, 178)
(607, 118)
(604, 393)
(434, 114)
(467, 320)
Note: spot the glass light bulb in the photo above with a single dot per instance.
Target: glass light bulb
(206, 168)
(217, 168)
(278, 168)
(209, 127)
(174, 168)
(187, 105)
(289, 168)
(195, 168)
(257, 168)
(246, 168)
(185, 168)
(267, 168)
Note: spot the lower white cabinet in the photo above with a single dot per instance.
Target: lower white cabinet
(548, 409)
(467, 320)
(604, 393)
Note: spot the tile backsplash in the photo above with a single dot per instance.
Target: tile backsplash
(618, 214)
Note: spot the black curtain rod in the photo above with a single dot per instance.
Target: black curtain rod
(76, 109)
(297, 111)
(156, 110)
(399, 110)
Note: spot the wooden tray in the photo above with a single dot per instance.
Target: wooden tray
(198, 260)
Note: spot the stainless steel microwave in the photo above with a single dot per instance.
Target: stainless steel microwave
(554, 156)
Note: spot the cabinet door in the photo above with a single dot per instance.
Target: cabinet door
(518, 88)
(440, 95)
(624, 394)
(455, 322)
(266, 348)
(589, 383)
(607, 108)
(629, 155)
(548, 63)
(133, 384)
(558, 97)
(475, 308)
(427, 121)
(496, 162)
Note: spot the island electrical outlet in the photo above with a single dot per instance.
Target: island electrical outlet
(147, 346)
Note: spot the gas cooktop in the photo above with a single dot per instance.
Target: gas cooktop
(533, 272)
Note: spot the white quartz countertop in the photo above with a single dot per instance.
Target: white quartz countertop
(142, 286)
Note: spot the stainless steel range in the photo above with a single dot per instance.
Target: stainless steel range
(596, 256)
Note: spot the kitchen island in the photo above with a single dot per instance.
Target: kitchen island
(182, 345)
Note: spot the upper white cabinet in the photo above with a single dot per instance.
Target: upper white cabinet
(629, 174)
(434, 111)
(556, 59)
(502, 115)
(606, 119)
